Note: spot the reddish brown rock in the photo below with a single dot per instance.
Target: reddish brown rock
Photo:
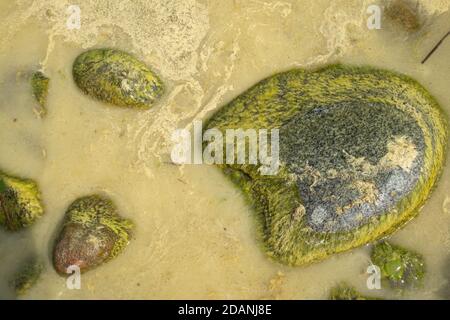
(93, 233)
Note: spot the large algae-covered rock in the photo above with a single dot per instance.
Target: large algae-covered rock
(403, 269)
(20, 202)
(93, 233)
(116, 77)
(360, 150)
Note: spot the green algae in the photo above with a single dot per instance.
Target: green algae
(117, 78)
(346, 292)
(401, 268)
(93, 233)
(39, 85)
(20, 202)
(27, 277)
(402, 14)
(360, 151)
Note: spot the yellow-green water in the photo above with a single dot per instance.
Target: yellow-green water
(194, 236)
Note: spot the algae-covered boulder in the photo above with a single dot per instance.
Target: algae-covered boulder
(346, 292)
(116, 77)
(360, 150)
(93, 233)
(39, 85)
(20, 202)
(27, 277)
(403, 269)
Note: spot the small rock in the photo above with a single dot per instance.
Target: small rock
(360, 150)
(403, 269)
(39, 85)
(20, 202)
(27, 277)
(403, 14)
(93, 233)
(118, 78)
(345, 292)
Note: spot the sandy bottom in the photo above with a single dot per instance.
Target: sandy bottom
(195, 235)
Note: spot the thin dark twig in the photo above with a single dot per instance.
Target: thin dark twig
(435, 47)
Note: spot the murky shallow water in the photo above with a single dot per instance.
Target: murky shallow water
(194, 235)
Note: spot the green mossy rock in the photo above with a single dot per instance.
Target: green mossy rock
(39, 85)
(27, 277)
(118, 78)
(360, 150)
(403, 269)
(20, 202)
(93, 233)
(345, 292)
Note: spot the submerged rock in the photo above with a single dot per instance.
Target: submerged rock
(39, 85)
(403, 269)
(27, 277)
(345, 292)
(93, 233)
(403, 14)
(20, 202)
(360, 150)
(116, 77)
